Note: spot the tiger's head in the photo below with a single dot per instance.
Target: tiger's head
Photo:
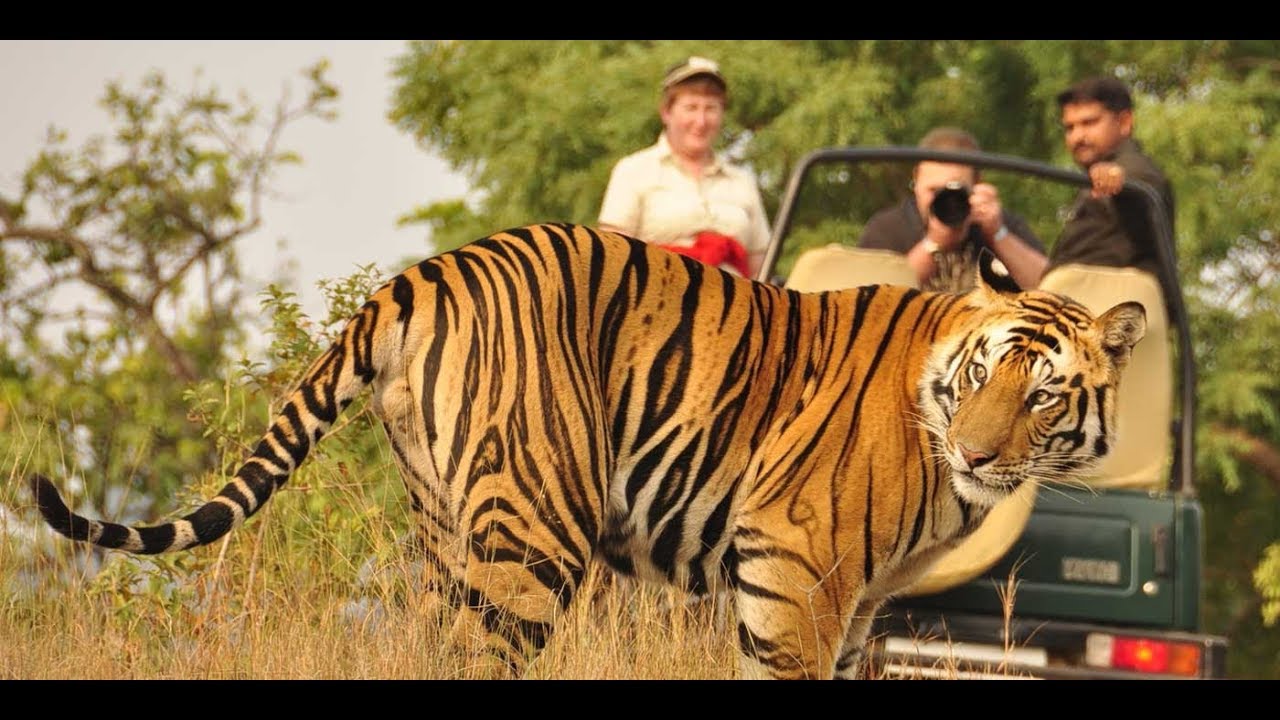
(1027, 390)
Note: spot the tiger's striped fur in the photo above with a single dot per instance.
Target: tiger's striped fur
(554, 394)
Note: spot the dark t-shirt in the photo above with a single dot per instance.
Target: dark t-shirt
(1115, 232)
(900, 227)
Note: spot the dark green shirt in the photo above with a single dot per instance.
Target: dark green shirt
(1116, 231)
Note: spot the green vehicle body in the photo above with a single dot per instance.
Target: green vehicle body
(1119, 557)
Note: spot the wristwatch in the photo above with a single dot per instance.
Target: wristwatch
(1000, 234)
(930, 246)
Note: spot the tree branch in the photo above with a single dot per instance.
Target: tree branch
(89, 273)
(46, 235)
(1252, 449)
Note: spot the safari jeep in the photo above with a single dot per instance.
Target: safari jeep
(1059, 582)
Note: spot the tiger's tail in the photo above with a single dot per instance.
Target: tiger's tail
(335, 378)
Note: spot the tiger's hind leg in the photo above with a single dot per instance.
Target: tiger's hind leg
(524, 567)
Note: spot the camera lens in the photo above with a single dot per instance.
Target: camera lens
(951, 204)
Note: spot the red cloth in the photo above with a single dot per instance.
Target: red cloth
(715, 249)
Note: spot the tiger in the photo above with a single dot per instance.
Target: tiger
(557, 395)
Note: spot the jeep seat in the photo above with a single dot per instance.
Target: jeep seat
(1144, 407)
(837, 267)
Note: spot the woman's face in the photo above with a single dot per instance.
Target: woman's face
(692, 121)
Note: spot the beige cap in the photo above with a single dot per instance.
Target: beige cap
(691, 67)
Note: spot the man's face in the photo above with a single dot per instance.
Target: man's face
(1092, 132)
(933, 176)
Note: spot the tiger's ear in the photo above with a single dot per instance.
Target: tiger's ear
(993, 275)
(1121, 328)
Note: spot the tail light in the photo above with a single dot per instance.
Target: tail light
(1141, 654)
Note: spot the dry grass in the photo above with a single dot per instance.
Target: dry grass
(267, 605)
(317, 585)
(621, 633)
(71, 635)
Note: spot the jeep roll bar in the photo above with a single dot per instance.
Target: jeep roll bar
(1184, 453)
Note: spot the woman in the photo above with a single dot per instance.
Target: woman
(679, 193)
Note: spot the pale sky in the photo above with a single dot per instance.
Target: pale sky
(334, 212)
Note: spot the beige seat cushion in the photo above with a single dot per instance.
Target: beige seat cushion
(984, 547)
(836, 267)
(1145, 405)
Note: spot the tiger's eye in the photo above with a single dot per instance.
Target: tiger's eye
(977, 372)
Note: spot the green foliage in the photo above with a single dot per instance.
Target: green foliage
(1267, 578)
(121, 406)
(345, 296)
(133, 586)
(813, 236)
(344, 508)
(1240, 525)
(143, 224)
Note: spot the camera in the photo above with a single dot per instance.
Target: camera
(951, 204)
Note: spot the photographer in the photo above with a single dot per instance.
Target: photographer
(963, 216)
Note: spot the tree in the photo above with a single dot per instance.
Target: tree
(143, 226)
(536, 126)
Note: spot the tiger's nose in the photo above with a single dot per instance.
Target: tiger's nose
(975, 458)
